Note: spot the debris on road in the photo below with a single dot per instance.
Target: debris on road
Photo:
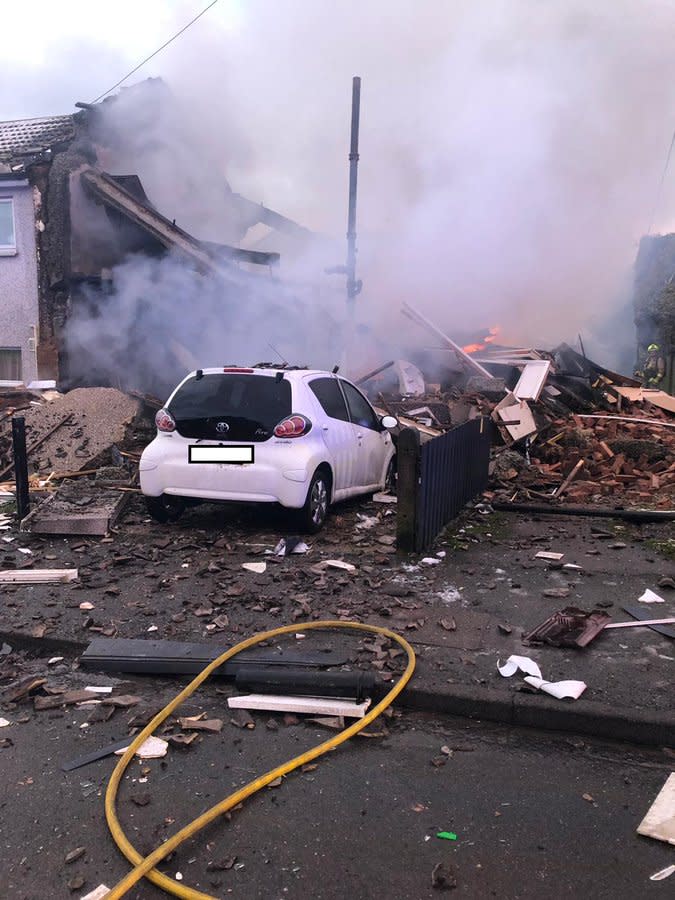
(38, 576)
(199, 723)
(447, 835)
(650, 597)
(662, 874)
(659, 822)
(558, 689)
(316, 706)
(570, 627)
(152, 748)
(257, 568)
(320, 567)
(99, 893)
(443, 877)
(290, 545)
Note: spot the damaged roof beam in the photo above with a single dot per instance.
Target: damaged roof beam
(106, 189)
(417, 317)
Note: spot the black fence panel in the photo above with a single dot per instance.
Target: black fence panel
(436, 479)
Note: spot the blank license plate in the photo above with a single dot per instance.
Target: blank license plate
(240, 455)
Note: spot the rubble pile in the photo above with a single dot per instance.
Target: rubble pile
(566, 429)
(593, 460)
(68, 433)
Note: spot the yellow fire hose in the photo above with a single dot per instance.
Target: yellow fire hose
(145, 867)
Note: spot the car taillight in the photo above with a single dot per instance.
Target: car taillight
(239, 371)
(165, 421)
(292, 427)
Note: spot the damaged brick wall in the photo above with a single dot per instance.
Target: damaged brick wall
(50, 180)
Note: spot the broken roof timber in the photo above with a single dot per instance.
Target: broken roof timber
(106, 189)
(408, 310)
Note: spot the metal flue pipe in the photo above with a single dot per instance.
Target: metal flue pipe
(353, 286)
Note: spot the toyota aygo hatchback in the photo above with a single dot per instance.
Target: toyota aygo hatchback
(298, 437)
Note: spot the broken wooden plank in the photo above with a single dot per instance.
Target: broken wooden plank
(646, 622)
(312, 705)
(570, 478)
(626, 419)
(37, 576)
(417, 317)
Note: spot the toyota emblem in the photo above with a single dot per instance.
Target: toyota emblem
(222, 427)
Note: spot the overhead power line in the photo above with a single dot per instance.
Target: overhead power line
(158, 50)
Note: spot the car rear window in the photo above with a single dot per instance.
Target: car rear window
(231, 406)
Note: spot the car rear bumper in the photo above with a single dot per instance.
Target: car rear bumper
(164, 470)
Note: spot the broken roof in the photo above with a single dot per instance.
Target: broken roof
(114, 193)
(28, 136)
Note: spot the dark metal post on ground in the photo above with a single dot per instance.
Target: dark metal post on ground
(353, 286)
(20, 466)
(407, 490)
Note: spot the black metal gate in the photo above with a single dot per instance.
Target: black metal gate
(436, 479)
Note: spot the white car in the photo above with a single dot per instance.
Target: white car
(298, 437)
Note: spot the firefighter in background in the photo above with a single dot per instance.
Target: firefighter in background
(654, 368)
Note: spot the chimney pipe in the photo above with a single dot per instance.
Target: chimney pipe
(353, 286)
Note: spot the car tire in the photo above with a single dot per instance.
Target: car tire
(313, 514)
(391, 478)
(165, 508)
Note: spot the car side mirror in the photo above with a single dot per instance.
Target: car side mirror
(389, 422)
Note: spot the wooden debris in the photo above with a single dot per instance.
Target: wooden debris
(312, 705)
(37, 576)
(195, 723)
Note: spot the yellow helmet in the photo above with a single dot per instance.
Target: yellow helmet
(652, 348)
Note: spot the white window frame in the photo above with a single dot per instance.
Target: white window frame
(9, 249)
(16, 352)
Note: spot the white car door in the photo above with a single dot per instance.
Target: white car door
(373, 442)
(337, 431)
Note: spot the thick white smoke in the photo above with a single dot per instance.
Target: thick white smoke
(510, 151)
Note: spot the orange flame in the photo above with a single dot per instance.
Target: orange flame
(488, 339)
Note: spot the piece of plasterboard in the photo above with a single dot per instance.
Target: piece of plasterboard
(659, 822)
(312, 705)
(656, 397)
(521, 415)
(661, 399)
(629, 393)
(532, 379)
(37, 576)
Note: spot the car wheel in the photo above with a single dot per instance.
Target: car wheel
(390, 479)
(165, 508)
(313, 513)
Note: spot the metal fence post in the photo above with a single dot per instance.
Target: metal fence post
(20, 466)
(407, 489)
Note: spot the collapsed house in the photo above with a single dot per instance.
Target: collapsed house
(566, 430)
(84, 192)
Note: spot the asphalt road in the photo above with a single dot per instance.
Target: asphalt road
(535, 815)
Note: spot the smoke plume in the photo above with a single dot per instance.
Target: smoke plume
(510, 156)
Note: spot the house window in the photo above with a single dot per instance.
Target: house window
(7, 232)
(10, 364)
